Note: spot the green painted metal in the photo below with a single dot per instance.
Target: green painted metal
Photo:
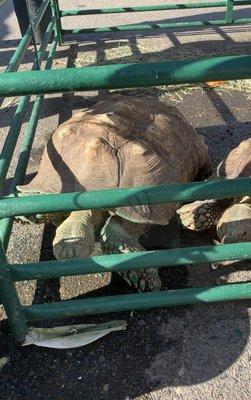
(161, 7)
(56, 13)
(242, 2)
(229, 11)
(12, 306)
(138, 301)
(117, 76)
(18, 56)
(153, 26)
(12, 206)
(16, 123)
(131, 261)
(6, 223)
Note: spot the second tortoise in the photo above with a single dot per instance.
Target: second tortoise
(232, 217)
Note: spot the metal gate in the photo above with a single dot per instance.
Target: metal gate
(40, 82)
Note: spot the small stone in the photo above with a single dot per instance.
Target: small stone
(4, 361)
(181, 372)
(106, 387)
(79, 378)
(141, 322)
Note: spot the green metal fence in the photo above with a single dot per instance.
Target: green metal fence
(229, 16)
(42, 81)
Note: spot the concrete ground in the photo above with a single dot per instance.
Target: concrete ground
(199, 352)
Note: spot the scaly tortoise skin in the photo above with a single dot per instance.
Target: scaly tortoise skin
(232, 217)
(123, 141)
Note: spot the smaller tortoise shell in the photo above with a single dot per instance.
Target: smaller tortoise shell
(238, 162)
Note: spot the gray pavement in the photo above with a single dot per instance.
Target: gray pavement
(200, 352)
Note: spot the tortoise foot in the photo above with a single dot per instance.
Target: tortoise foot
(74, 239)
(115, 240)
(144, 280)
(200, 215)
(71, 248)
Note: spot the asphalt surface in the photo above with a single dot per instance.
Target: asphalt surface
(199, 352)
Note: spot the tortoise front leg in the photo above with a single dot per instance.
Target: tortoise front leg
(75, 237)
(115, 239)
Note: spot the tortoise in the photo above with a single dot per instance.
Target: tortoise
(232, 217)
(123, 141)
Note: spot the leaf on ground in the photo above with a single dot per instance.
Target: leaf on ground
(71, 336)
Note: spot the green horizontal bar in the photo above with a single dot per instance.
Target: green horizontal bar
(143, 27)
(161, 7)
(130, 261)
(117, 197)
(140, 301)
(116, 76)
(18, 56)
(16, 123)
(6, 223)
(242, 2)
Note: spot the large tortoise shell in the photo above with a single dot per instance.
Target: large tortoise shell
(123, 141)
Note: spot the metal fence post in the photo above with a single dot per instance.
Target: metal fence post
(229, 11)
(56, 13)
(10, 300)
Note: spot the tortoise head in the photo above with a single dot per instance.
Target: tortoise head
(32, 218)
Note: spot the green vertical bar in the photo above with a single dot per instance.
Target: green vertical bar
(16, 123)
(10, 300)
(229, 11)
(6, 223)
(56, 13)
